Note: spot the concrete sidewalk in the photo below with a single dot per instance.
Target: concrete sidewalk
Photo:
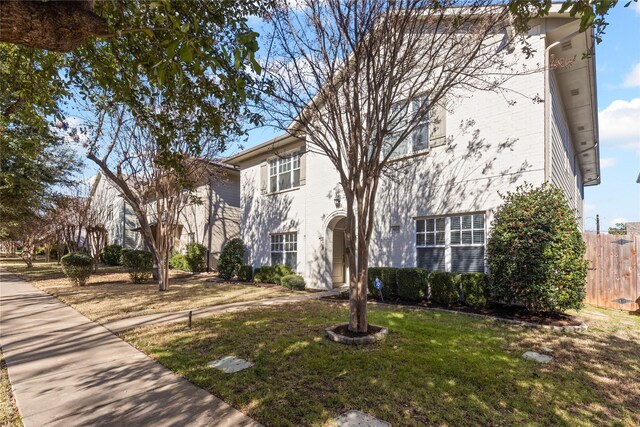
(120, 325)
(67, 370)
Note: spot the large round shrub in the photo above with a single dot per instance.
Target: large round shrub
(178, 262)
(293, 281)
(111, 255)
(77, 267)
(231, 259)
(535, 251)
(195, 257)
(139, 264)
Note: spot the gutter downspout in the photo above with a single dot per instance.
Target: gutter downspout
(547, 105)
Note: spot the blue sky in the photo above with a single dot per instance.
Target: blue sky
(617, 198)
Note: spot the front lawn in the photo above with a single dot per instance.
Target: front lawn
(435, 368)
(108, 294)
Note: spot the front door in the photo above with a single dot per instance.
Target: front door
(339, 267)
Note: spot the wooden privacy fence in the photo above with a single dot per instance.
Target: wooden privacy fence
(613, 280)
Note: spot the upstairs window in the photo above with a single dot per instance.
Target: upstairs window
(401, 115)
(284, 173)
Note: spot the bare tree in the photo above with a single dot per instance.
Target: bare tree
(362, 79)
(156, 187)
(29, 232)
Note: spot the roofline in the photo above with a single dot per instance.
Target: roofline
(262, 148)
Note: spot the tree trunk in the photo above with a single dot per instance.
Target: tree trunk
(53, 25)
(163, 269)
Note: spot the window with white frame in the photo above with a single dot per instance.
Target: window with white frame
(284, 173)
(284, 249)
(452, 243)
(418, 139)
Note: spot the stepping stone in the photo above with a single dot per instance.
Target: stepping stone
(540, 358)
(230, 364)
(359, 419)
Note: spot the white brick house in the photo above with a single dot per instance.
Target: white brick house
(435, 212)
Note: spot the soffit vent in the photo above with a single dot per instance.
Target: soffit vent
(580, 128)
(583, 143)
(575, 92)
(566, 45)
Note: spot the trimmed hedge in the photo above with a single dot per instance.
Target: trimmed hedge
(179, 262)
(293, 281)
(271, 274)
(77, 267)
(139, 264)
(231, 259)
(122, 253)
(474, 289)
(111, 255)
(245, 273)
(412, 284)
(388, 275)
(195, 257)
(445, 287)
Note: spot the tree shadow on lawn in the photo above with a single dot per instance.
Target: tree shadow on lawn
(434, 368)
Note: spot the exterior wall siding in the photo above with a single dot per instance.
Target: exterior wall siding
(565, 173)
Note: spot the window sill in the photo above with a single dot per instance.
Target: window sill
(288, 190)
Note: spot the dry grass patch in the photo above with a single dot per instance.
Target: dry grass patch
(9, 415)
(108, 294)
(434, 368)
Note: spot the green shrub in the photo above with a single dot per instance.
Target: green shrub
(535, 251)
(178, 262)
(77, 267)
(474, 289)
(293, 281)
(388, 275)
(245, 273)
(445, 287)
(122, 254)
(111, 255)
(196, 257)
(271, 274)
(139, 264)
(412, 284)
(231, 259)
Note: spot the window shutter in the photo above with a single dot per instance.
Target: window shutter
(264, 177)
(303, 168)
(438, 127)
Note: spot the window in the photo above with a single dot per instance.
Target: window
(452, 243)
(284, 249)
(418, 139)
(110, 212)
(284, 173)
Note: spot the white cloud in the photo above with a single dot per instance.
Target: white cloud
(619, 124)
(637, 8)
(618, 221)
(607, 162)
(633, 78)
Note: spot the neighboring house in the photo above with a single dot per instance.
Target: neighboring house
(632, 227)
(212, 221)
(434, 213)
(120, 221)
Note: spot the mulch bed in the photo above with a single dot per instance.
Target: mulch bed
(501, 311)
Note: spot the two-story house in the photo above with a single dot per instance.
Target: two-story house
(211, 217)
(436, 213)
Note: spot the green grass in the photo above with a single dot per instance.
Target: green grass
(434, 368)
(9, 416)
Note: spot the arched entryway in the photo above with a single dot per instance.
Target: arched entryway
(336, 251)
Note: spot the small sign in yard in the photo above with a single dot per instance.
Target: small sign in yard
(378, 285)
